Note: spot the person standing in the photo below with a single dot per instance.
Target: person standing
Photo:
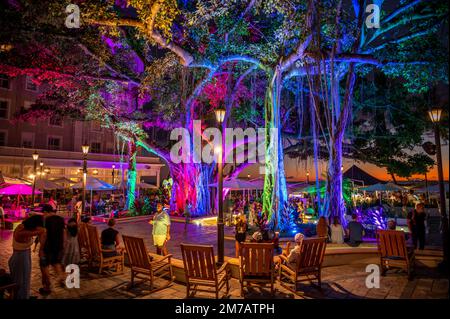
(241, 232)
(252, 218)
(322, 228)
(20, 261)
(2, 216)
(355, 232)
(337, 232)
(187, 214)
(416, 224)
(71, 247)
(52, 202)
(161, 229)
(79, 209)
(51, 250)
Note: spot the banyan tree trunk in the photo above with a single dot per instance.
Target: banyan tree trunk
(275, 190)
(131, 180)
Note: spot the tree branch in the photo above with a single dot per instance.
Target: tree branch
(106, 65)
(381, 31)
(185, 57)
(400, 10)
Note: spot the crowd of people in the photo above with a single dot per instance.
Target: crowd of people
(56, 241)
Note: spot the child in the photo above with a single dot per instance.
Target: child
(71, 247)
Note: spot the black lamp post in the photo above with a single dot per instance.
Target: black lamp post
(220, 115)
(41, 167)
(435, 116)
(85, 149)
(113, 171)
(35, 158)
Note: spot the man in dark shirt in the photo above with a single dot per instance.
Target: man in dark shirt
(416, 224)
(110, 239)
(51, 250)
(355, 232)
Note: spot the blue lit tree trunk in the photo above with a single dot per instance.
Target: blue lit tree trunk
(275, 190)
(336, 207)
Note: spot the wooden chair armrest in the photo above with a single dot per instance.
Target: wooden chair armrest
(223, 267)
(169, 256)
(9, 286)
(108, 250)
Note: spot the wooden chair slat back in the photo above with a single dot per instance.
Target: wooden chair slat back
(137, 252)
(94, 241)
(83, 238)
(256, 259)
(312, 253)
(391, 243)
(199, 261)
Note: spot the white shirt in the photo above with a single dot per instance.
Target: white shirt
(337, 234)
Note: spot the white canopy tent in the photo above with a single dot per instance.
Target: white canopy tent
(94, 184)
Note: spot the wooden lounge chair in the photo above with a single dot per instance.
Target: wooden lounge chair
(256, 265)
(393, 251)
(97, 253)
(307, 267)
(147, 264)
(83, 242)
(200, 269)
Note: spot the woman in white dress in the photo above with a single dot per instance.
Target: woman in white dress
(337, 232)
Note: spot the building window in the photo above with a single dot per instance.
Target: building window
(56, 121)
(96, 147)
(4, 109)
(27, 139)
(109, 148)
(30, 85)
(3, 138)
(54, 143)
(4, 82)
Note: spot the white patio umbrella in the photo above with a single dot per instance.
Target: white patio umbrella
(380, 187)
(45, 184)
(63, 181)
(94, 184)
(431, 189)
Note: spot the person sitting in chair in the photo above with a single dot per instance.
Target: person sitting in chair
(110, 239)
(295, 252)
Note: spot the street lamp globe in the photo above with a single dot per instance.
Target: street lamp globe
(435, 114)
(220, 115)
(113, 166)
(41, 164)
(35, 156)
(85, 149)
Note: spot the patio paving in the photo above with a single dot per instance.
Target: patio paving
(342, 282)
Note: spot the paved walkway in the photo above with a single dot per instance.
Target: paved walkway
(338, 282)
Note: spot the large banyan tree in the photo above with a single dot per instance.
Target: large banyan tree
(173, 58)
